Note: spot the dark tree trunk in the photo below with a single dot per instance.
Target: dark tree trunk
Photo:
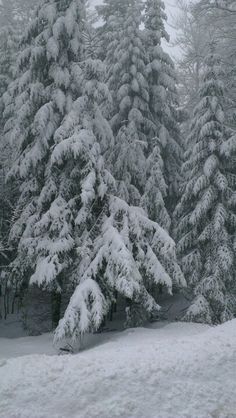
(56, 308)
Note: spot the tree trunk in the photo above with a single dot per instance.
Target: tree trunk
(56, 308)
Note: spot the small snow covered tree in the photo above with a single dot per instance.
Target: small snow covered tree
(163, 105)
(206, 217)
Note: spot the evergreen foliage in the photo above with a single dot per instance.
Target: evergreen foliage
(131, 119)
(206, 212)
(91, 139)
(74, 228)
(119, 251)
(48, 80)
(140, 137)
(163, 105)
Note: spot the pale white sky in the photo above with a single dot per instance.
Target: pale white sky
(172, 11)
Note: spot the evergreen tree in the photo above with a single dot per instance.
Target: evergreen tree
(112, 13)
(142, 81)
(161, 79)
(206, 218)
(7, 54)
(9, 40)
(14, 14)
(119, 251)
(36, 102)
(126, 79)
(123, 250)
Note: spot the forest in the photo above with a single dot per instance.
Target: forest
(117, 208)
(117, 163)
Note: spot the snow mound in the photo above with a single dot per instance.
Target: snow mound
(174, 371)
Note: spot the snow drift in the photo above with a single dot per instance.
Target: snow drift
(179, 370)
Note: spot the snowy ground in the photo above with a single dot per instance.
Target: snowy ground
(168, 370)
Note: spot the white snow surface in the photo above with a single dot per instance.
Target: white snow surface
(169, 370)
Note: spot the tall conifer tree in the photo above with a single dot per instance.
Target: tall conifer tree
(48, 80)
(162, 81)
(119, 250)
(207, 220)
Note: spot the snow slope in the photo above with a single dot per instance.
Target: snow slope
(170, 371)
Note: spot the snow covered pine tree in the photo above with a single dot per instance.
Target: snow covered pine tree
(72, 230)
(48, 79)
(207, 221)
(131, 123)
(119, 250)
(166, 148)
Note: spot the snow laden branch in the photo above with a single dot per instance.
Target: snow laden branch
(129, 255)
(85, 312)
